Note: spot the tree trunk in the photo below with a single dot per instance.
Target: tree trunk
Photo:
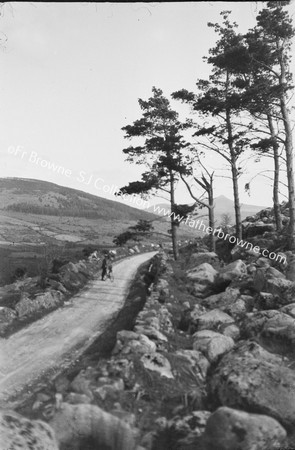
(276, 202)
(234, 170)
(174, 225)
(288, 145)
(235, 176)
(211, 215)
(290, 171)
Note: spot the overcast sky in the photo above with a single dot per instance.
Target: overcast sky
(71, 75)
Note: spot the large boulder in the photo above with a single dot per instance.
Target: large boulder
(250, 378)
(289, 309)
(18, 432)
(213, 319)
(46, 301)
(233, 270)
(262, 275)
(203, 274)
(212, 344)
(231, 429)
(204, 277)
(257, 229)
(222, 300)
(284, 290)
(75, 425)
(73, 276)
(273, 329)
(240, 307)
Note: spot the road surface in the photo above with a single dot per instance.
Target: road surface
(61, 336)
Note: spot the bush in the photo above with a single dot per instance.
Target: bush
(20, 272)
(87, 251)
(57, 264)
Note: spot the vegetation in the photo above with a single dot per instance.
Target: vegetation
(241, 107)
(141, 230)
(161, 152)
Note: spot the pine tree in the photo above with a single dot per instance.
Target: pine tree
(162, 152)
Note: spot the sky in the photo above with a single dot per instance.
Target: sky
(71, 76)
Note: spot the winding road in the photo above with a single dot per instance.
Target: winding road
(61, 336)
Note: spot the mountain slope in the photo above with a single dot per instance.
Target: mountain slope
(42, 197)
(223, 205)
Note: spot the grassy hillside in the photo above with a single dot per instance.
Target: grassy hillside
(44, 198)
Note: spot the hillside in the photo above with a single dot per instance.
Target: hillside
(41, 220)
(45, 198)
(223, 205)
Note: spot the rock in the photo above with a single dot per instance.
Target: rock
(283, 289)
(196, 313)
(213, 319)
(120, 368)
(212, 344)
(125, 336)
(73, 276)
(199, 363)
(204, 274)
(192, 426)
(253, 323)
(150, 332)
(153, 322)
(163, 289)
(288, 309)
(7, 315)
(47, 301)
(233, 270)
(258, 228)
(263, 262)
(109, 386)
(231, 330)
(205, 257)
(273, 329)
(76, 424)
(139, 346)
(242, 306)
(61, 384)
(164, 317)
(231, 429)
(75, 399)
(263, 274)
(223, 299)
(81, 383)
(56, 285)
(18, 432)
(201, 290)
(265, 300)
(123, 415)
(42, 397)
(157, 363)
(250, 378)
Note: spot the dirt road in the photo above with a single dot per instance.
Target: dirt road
(60, 337)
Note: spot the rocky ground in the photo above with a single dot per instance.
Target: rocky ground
(207, 364)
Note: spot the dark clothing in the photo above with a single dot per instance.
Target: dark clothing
(104, 268)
